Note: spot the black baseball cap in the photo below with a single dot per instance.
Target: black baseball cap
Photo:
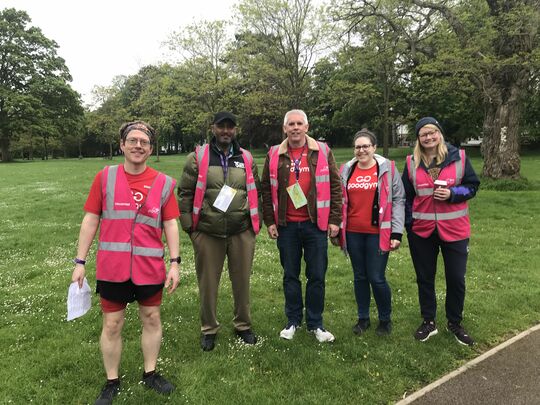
(224, 116)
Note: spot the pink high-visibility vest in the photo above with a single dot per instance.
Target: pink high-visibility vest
(130, 245)
(202, 155)
(384, 187)
(451, 219)
(322, 184)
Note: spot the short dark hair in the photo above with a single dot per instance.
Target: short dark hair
(365, 133)
(126, 128)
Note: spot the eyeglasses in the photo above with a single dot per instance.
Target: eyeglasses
(426, 134)
(363, 147)
(134, 141)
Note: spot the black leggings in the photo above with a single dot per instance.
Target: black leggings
(424, 253)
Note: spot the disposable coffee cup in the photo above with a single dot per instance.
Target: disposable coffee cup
(441, 183)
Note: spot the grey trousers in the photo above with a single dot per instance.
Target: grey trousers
(210, 253)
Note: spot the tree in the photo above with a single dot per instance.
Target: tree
(294, 35)
(28, 60)
(493, 43)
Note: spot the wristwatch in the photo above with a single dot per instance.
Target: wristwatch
(175, 260)
(79, 261)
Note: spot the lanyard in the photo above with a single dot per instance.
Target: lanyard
(297, 161)
(225, 163)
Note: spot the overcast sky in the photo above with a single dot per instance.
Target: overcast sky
(100, 39)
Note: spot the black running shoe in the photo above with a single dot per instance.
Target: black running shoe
(159, 384)
(208, 342)
(361, 326)
(425, 331)
(461, 334)
(109, 391)
(247, 336)
(384, 328)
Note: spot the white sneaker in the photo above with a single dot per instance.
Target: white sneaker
(323, 335)
(288, 333)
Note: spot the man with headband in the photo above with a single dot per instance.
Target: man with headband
(132, 205)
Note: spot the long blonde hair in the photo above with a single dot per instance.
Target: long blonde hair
(419, 154)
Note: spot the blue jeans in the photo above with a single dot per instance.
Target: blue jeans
(295, 239)
(369, 267)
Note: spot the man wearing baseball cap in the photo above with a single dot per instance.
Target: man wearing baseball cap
(218, 194)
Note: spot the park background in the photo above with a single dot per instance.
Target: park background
(379, 64)
(50, 360)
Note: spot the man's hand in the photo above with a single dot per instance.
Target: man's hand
(272, 231)
(394, 244)
(333, 230)
(173, 278)
(78, 274)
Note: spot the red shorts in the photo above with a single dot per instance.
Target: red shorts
(115, 306)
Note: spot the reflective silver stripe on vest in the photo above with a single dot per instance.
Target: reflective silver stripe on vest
(412, 172)
(442, 216)
(115, 246)
(459, 167)
(200, 153)
(250, 186)
(144, 251)
(386, 224)
(323, 149)
(323, 204)
(114, 214)
(111, 183)
(321, 179)
(274, 182)
(253, 211)
(424, 191)
(166, 190)
(196, 210)
(146, 220)
(200, 184)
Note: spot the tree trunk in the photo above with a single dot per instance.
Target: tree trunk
(500, 144)
(45, 150)
(31, 149)
(4, 148)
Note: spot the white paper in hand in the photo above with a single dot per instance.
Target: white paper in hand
(78, 301)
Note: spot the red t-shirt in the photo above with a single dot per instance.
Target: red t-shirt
(301, 214)
(361, 191)
(139, 184)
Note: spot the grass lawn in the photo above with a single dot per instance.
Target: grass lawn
(47, 360)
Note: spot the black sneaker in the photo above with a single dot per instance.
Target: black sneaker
(208, 342)
(247, 336)
(384, 328)
(361, 326)
(159, 384)
(425, 331)
(461, 334)
(109, 391)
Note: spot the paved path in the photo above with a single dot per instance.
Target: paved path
(508, 374)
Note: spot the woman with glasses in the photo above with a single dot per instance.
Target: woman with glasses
(438, 180)
(373, 216)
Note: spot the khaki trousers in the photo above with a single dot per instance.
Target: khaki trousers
(210, 253)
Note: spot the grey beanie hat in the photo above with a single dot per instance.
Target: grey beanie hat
(425, 121)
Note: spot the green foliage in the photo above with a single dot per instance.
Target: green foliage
(39, 224)
(36, 100)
